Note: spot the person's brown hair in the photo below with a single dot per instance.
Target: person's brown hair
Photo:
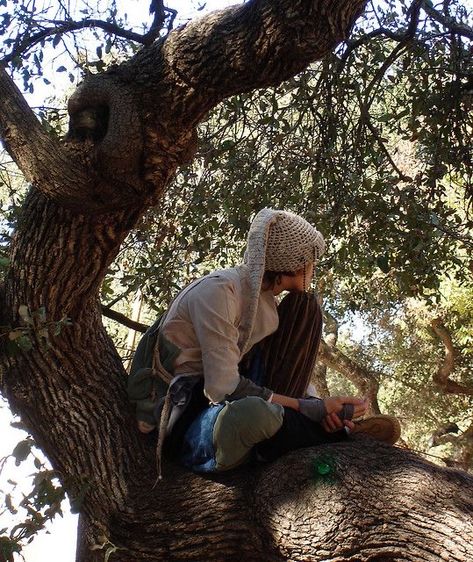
(270, 278)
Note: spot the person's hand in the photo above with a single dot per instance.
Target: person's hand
(332, 421)
(333, 405)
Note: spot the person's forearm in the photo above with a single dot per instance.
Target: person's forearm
(247, 387)
(286, 401)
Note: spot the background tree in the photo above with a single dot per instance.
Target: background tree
(322, 144)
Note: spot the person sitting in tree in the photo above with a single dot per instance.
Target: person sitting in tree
(225, 373)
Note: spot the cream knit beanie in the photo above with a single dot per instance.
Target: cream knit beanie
(277, 241)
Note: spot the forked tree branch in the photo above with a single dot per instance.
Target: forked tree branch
(446, 367)
(170, 86)
(449, 23)
(363, 379)
(462, 442)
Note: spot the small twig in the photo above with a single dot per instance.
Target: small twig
(383, 147)
(353, 45)
(458, 28)
(68, 26)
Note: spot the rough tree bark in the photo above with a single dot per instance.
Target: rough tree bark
(131, 127)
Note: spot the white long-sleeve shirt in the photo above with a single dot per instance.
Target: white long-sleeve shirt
(204, 322)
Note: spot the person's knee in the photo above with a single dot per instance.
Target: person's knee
(241, 425)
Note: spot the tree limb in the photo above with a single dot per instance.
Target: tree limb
(27, 41)
(177, 80)
(463, 443)
(122, 319)
(319, 380)
(331, 329)
(160, 11)
(40, 156)
(355, 44)
(253, 45)
(132, 147)
(442, 376)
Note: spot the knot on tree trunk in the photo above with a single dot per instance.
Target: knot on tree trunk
(103, 111)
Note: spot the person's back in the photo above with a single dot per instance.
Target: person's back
(205, 322)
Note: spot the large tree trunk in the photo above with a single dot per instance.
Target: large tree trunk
(87, 194)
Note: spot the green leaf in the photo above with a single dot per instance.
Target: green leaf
(11, 348)
(22, 450)
(383, 263)
(41, 314)
(9, 504)
(15, 334)
(227, 144)
(24, 313)
(24, 343)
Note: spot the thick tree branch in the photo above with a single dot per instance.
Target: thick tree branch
(319, 380)
(122, 319)
(253, 45)
(39, 155)
(331, 329)
(63, 171)
(462, 442)
(442, 376)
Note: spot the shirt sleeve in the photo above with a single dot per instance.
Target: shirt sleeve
(214, 312)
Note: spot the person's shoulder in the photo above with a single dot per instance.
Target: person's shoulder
(230, 275)
(217, 291)
(222, 279)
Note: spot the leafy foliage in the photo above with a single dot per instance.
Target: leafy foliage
(39, 506)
